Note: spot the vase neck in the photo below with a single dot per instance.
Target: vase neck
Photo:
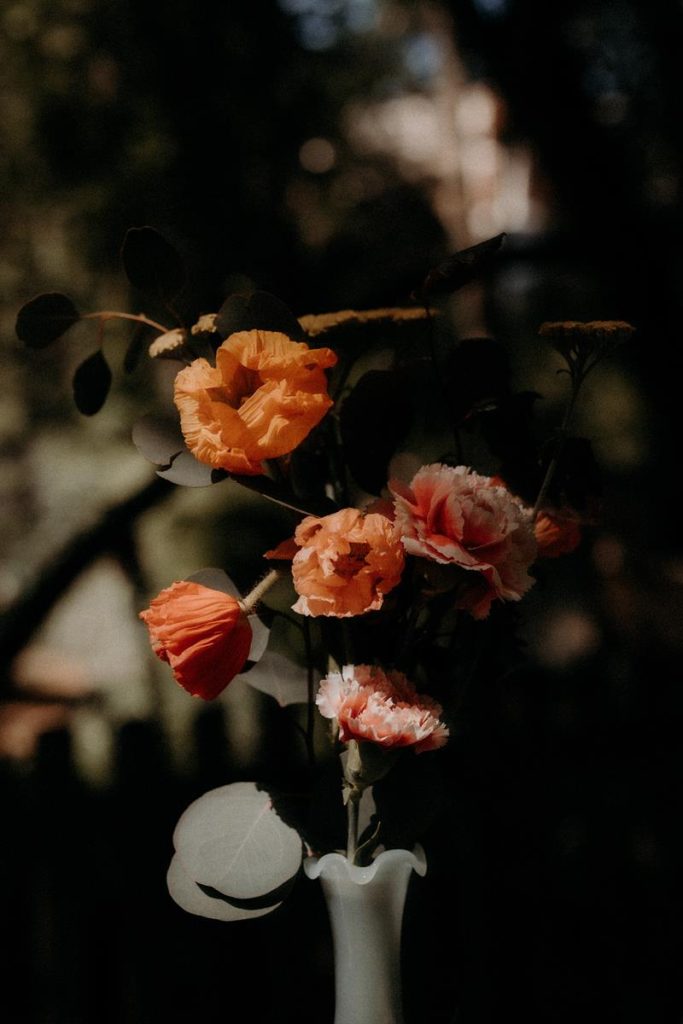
(366, 912)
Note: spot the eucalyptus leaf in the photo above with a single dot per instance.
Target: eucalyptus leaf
(508, 430)
(216, 579)
(461, 268)
(267, 488)
(186, 471)
(269, 899)
(476, 376)
(233, 840)
(189, 895)
(152, 264)
(279, 677)
(409, 798)
(158, 439)
(374, 419)
(91, 384)
(43, 319)
(258, 311)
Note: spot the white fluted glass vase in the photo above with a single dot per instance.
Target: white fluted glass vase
(365, 905)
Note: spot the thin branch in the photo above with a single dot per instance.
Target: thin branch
(558, 448)
(140, 318)
(21, 620)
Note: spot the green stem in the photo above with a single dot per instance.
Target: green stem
(346, 642)
(559, 446)
(352, 817)
(310, 701)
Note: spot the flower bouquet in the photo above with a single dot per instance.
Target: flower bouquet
(420, 501)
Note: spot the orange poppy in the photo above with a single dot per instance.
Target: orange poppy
(261, 399)
(203, 634)
(344, 563)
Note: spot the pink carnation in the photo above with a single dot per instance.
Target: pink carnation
(455, 517)
(381, 707)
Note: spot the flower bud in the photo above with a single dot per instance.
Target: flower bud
(203, 634)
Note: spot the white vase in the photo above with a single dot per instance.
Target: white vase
(365, 905)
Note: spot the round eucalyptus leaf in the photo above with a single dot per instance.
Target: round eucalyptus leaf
(91, 384)
(43, 319)
(152, 264)
(158, 439)
(186, 471)
(257, 311)
(188, 895)
(233, 840)
(280, 678)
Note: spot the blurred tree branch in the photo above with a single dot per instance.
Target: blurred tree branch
(111, 534)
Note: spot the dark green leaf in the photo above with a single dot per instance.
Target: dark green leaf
(267, 488)
(461, 268)
(374, 419)
(308, 468)
(152, 264)
(45, 318)
(508, 431)
(91, 384)
(409, 799)
(259, 311)
(577, 481)
(475, 375)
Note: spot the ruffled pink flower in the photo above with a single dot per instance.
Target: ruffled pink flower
(453, 516)
(381, 707)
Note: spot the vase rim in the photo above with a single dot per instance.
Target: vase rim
(361, 875)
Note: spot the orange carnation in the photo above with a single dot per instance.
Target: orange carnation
(261, 399)
(556, 534)
(346, 563)
(203, 634)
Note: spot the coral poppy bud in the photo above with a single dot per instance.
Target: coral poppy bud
(203, 634)
(556, 534)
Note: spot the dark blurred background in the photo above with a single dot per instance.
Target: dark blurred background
(330, 151)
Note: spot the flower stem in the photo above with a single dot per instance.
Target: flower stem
(139, 318)
(310, 695)
(254, 596)
(559, 445)
(352, 817)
